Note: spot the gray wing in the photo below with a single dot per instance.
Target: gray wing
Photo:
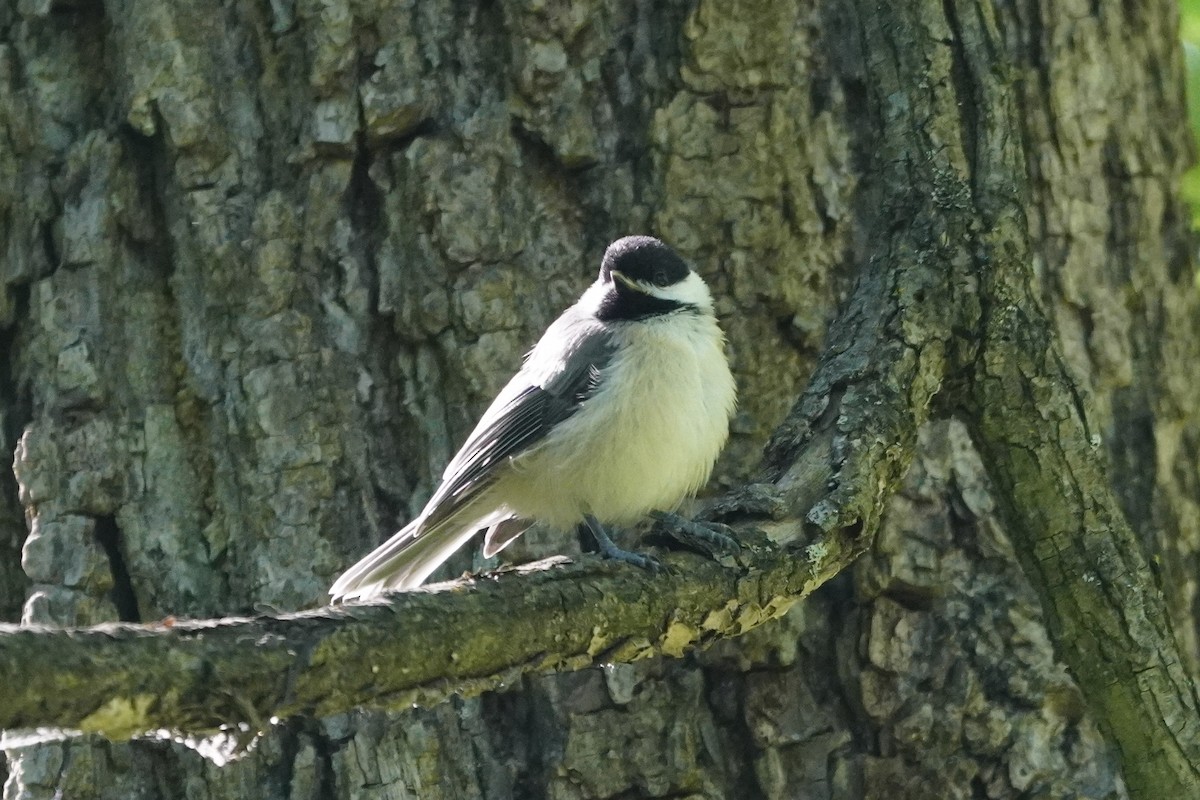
(558, 377)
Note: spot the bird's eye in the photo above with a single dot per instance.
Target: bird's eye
(660, 277)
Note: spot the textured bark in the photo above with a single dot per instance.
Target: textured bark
(259, 276)
(124, 680)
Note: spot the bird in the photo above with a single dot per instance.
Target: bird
(618, 412)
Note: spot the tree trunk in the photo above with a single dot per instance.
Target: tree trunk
(265, 264)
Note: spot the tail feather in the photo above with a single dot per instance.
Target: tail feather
(406, 559)
(501, 535)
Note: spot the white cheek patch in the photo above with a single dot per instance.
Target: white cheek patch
(690, 291)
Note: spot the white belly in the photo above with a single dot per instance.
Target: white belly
(647, 446)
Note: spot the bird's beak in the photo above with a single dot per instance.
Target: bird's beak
(620, 276)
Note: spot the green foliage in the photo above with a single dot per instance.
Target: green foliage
(1189, 32)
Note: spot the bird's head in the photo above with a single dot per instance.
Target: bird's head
(645, 278)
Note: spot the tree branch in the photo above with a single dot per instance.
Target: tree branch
(461, 637)
(1104, 613)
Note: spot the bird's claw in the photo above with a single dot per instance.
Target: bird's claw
(651, 565)
(712, 538)
(609, 549)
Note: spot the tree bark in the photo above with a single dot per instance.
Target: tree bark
(420, 647)
(264, 265)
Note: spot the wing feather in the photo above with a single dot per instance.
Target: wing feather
(554, 383)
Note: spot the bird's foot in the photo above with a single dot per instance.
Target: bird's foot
(713, 538)
(609, 549)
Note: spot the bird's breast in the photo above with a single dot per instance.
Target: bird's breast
(646, 439)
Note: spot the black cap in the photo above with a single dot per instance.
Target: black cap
(643, 258)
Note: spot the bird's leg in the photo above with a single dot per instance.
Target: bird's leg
(708, 537)
(610, 550)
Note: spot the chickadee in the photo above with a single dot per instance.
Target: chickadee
(620, 410)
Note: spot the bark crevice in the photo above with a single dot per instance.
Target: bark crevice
(123, 594)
